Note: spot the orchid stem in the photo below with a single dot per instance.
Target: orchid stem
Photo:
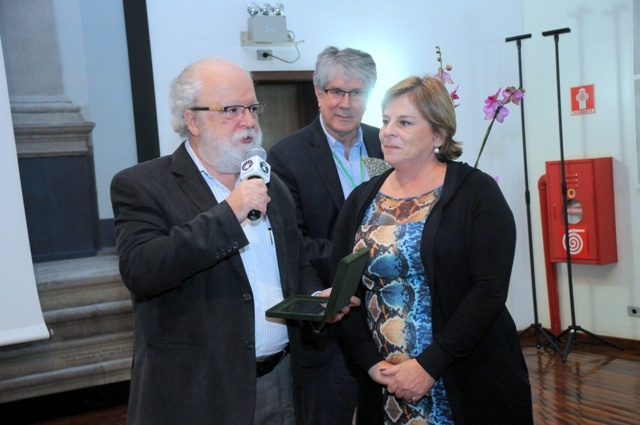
(486, 135)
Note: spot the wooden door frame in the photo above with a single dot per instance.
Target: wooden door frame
(279, 77)
(303, 80)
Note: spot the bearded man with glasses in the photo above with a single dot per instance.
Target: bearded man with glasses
(321, 164)
(201, 274)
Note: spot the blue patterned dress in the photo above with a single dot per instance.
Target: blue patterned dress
(398, 299)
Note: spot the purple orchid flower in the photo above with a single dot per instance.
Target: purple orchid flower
(443, 76)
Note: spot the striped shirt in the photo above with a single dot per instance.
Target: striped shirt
(261, 265)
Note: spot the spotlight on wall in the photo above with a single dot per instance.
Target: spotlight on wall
(266, 23)
(266, 9)
(278, 9)
(253, 9)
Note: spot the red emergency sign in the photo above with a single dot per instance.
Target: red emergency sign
(583, 100)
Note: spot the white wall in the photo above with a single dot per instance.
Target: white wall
(401, 36)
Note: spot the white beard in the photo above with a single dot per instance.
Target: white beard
(226, 156)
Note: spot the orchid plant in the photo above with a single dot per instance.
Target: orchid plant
(494, 106)
(495, 110)
(444, 76)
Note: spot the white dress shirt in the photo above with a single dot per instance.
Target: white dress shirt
(260, 261)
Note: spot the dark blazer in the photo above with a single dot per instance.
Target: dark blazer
(194, 353)
(304, 162)
(467, 247)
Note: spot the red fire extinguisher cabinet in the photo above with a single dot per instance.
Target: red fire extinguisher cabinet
(590, 211)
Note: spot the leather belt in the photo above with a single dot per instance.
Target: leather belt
(267, 364)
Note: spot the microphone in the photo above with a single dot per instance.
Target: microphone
(255, 167)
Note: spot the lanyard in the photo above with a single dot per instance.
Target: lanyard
(344, 170)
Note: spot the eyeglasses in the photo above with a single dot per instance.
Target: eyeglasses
(234, 111)
(338, 94)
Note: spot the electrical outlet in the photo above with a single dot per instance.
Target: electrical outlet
(265, 55)
(633, 311)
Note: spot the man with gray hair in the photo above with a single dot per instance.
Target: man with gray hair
(321, 164)
(201, 274)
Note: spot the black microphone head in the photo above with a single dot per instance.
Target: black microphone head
(257, 151)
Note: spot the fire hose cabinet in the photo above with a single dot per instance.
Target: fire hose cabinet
(590, 211)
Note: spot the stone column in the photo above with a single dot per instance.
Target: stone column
(46, 123)
(53, 140)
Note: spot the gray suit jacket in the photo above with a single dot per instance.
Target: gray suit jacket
(194, 353)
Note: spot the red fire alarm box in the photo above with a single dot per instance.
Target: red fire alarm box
(590, 208)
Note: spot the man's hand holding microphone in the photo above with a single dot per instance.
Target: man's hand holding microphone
(249, 198)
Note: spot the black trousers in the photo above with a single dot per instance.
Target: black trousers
(330, 392)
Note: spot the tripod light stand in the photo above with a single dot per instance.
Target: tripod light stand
(573, 329)
(535, 326)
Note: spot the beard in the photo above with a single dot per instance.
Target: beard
(224, 155)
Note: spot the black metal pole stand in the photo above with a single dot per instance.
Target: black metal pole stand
(535, 326)
(573, 329)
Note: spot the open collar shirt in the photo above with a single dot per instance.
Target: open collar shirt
(351, 171)
(261, 265)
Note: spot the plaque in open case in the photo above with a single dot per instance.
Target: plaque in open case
(345, 283)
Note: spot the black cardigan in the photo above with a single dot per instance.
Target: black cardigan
(467, 247)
